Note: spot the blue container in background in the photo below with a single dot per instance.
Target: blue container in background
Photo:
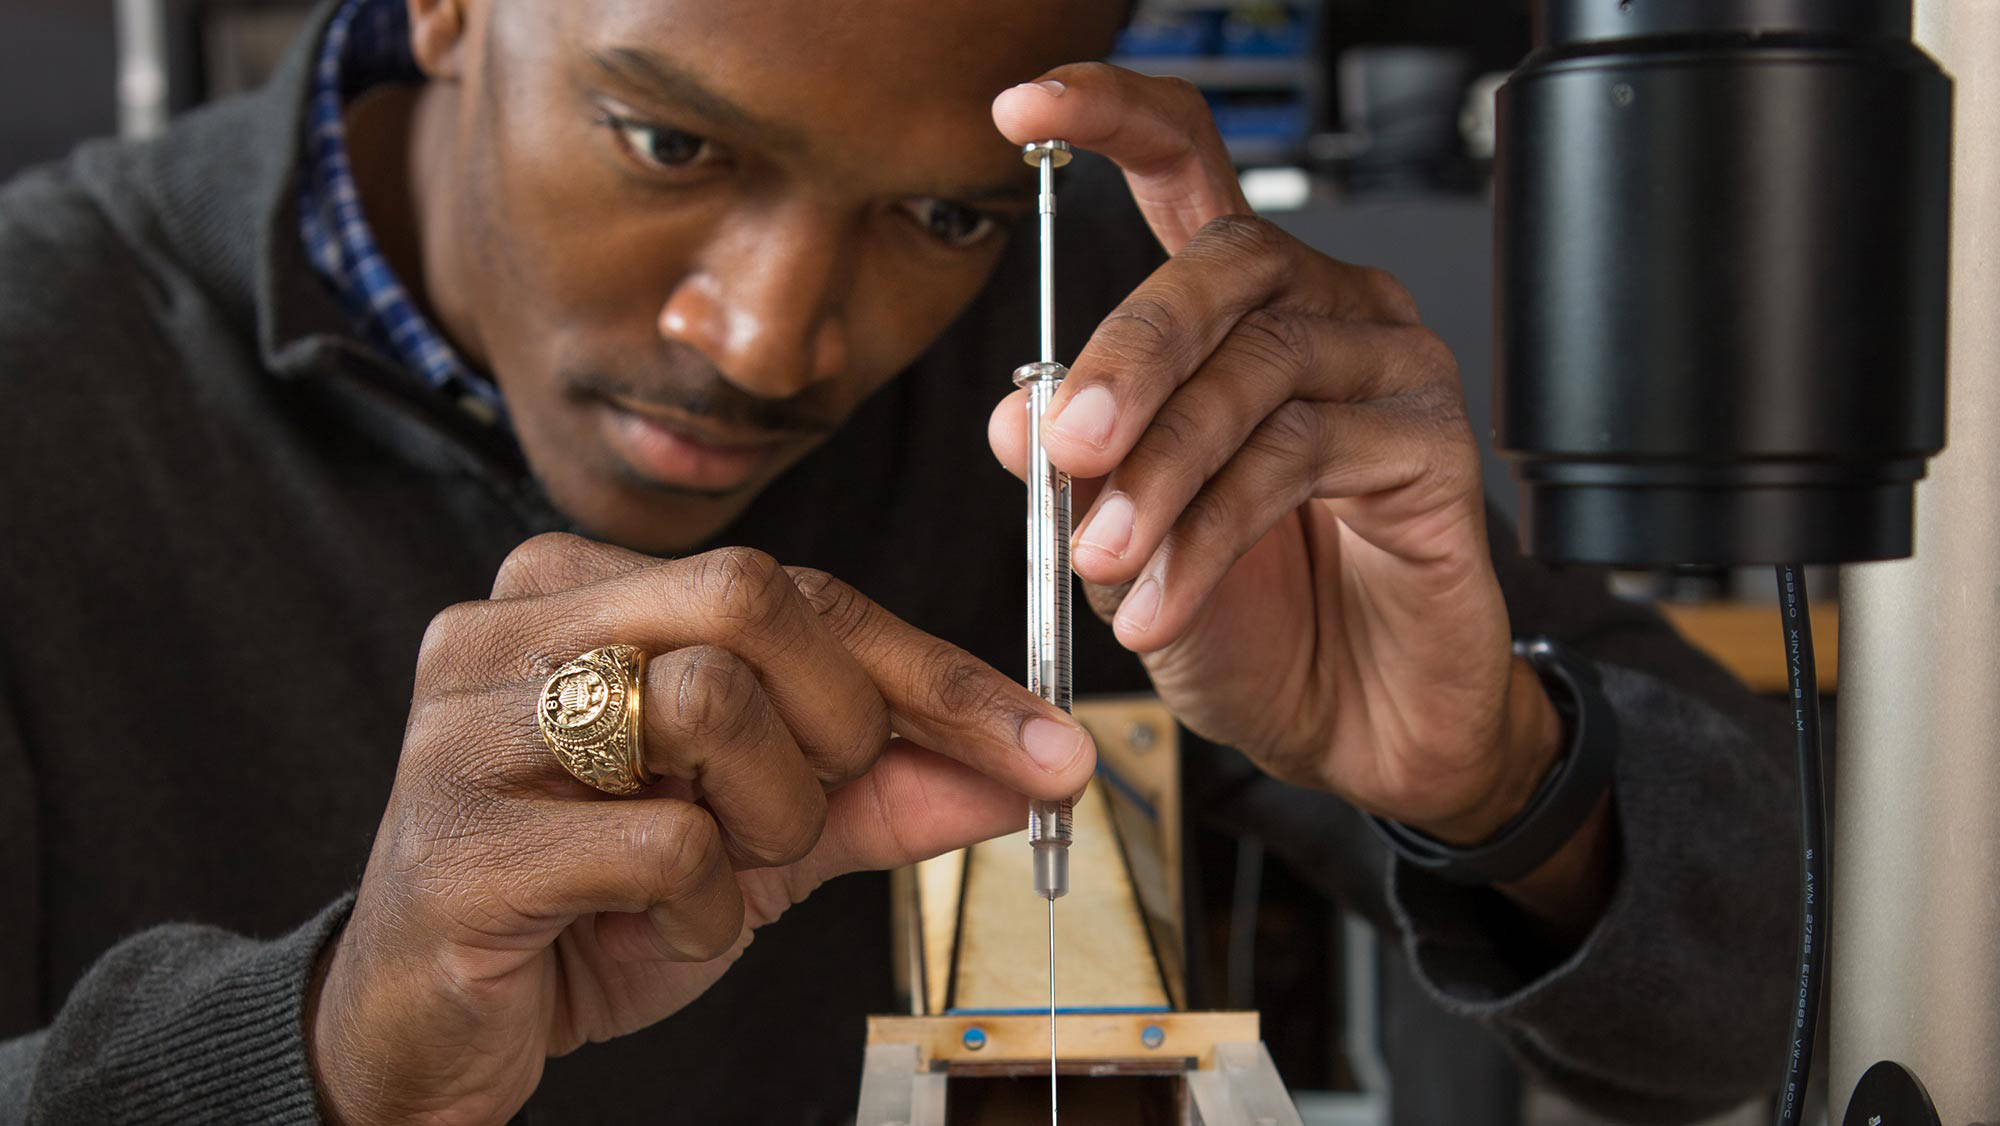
(1262, 119)
(1277, 30)
(1171, 34)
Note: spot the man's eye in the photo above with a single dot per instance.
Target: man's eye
(953, 224)
(667, 148)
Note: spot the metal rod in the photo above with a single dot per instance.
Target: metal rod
(1916, 928)
(1046, 206)
(142, 68)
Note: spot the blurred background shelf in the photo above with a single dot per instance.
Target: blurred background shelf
(1258, 63)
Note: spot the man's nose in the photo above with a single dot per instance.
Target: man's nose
(764, 304)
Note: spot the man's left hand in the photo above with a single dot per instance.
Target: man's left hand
(1280, 493)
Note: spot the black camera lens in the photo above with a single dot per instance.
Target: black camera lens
(1721, 265)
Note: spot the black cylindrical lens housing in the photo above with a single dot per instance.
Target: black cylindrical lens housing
(1722, 233)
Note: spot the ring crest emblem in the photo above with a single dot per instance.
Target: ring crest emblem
(589, 717)
(577, 699)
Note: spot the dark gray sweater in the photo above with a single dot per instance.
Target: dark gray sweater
(226, 521)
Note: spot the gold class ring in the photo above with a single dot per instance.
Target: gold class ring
(589, 716)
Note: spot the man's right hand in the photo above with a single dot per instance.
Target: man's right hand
(510, 913)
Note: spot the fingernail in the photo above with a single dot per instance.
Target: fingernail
(1111, 529)
(1141, 606)
(1054, 88)
(1052, 744)
(1087, 418)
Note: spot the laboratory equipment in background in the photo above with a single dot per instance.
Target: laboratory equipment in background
(1722, 246)
(1400, 107)
(176, 54)
(1721, 269)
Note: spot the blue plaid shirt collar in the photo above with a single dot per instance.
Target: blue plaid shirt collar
(366, 43)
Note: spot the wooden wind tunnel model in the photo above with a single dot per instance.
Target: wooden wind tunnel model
(974, 1048)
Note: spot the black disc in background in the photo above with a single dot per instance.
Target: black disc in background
(1888, 1095)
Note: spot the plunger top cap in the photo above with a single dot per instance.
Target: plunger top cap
(1058, 151)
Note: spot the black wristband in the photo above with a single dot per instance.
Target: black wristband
(1567, 796)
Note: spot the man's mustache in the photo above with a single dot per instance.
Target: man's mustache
(698, 389)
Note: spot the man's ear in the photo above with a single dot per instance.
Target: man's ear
(437, 29)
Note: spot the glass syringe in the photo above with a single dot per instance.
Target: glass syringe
(1048, 539)
(1048, 572)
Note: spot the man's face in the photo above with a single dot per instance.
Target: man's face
(688, 237)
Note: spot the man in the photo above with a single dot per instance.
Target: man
(728, 286)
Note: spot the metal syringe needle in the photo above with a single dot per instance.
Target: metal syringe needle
(1052, 1010)
(1048, 573)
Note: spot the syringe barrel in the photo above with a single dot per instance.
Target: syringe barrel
(1049, 820)
(1048, 616)
(1048, 546)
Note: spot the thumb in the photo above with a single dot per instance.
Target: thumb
(1007, 434)
(1158, 130)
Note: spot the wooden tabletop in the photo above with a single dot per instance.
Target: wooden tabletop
(1745, 638)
